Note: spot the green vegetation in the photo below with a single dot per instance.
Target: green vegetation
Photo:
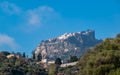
(52, 69)
(104, 59)
(19, 66)
(58, 61)
(33, 57)
(39, 57)
(73, 58)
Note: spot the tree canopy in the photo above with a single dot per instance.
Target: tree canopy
(58, 61)
(73, 58)
(104, 59)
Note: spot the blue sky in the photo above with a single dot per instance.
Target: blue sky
(24, 23)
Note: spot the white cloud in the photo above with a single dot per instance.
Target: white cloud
(7, 41)
(10, 8)
(40, 15)
(34, 19)
(31, 19)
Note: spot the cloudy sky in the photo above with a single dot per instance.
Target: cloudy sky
(24, 23)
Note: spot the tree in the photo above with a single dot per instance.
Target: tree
(33, 55)
(39, 57)
(58, 61)
(118, 36)
(24, 55)
(73, 58)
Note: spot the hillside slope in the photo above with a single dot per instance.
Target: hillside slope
(104, 59)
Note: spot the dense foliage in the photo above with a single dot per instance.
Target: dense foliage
(58, 61)
(104, 59)
(73, 58)
(19, 66)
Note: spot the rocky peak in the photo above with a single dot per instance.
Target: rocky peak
(84, 33)
(67, 44)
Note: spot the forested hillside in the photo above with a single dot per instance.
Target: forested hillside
(104, 59)
(14, 65)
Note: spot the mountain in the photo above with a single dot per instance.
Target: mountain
(67, 44)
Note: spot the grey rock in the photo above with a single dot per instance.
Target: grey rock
(67, 44)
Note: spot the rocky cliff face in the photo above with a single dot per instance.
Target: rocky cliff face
(67, 44)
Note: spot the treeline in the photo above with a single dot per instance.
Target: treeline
(14, 65)
(19, 64)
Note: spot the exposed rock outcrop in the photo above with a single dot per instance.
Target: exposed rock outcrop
(67, 44)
